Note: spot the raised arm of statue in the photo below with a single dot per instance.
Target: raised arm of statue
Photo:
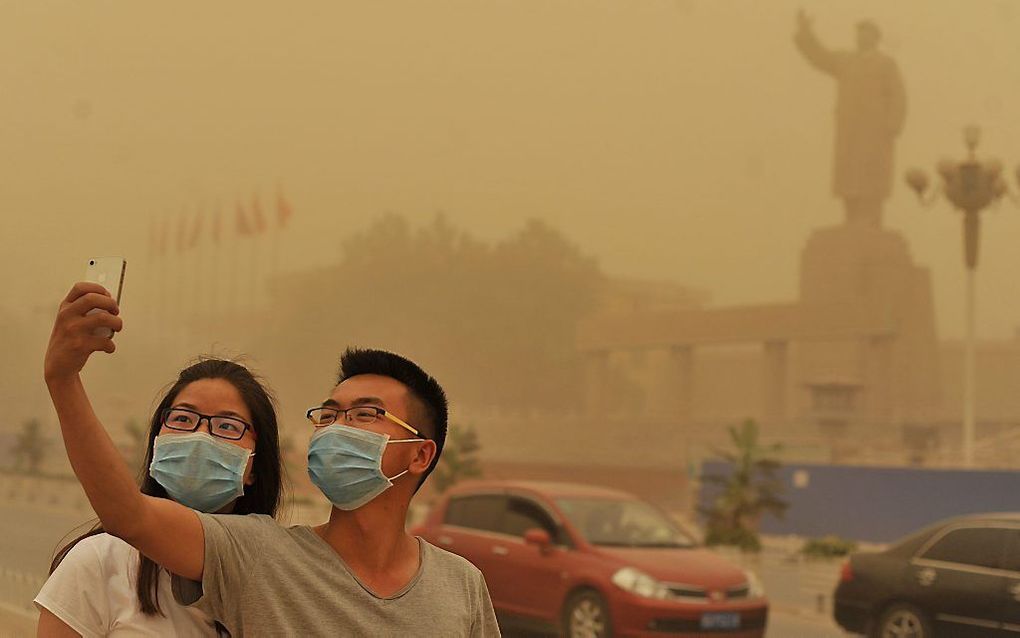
(814, 51)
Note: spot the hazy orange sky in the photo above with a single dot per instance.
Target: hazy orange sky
(674, 139)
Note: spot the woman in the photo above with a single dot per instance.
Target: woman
(213, 446)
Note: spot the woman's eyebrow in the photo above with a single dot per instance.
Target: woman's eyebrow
(220, 413)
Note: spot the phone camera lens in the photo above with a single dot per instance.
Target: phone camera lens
(92, 262)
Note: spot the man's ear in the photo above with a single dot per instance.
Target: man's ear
(423, 458)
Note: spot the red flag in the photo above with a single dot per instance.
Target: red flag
(243, 229)
(196, 229)
(283, 209)
(256, 215)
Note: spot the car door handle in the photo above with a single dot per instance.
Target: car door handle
(445, 540)
(926, 577)
(500, 551)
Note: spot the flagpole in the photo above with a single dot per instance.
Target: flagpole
(257, 266)
(283, 213)
(217, 229)
(275, 259)
(197, 261)
(150, 266)
(164, 241)
(232, 274)
(277, 234)
(242, 232)
(253, 259)
(182, 280)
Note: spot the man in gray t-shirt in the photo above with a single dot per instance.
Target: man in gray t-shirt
(360, 573)
(264, 579)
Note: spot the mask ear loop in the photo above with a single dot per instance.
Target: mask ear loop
(393, 478)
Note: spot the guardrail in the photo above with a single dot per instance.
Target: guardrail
(17, 589)
(792, 581)
(43, 492)
(17, 613)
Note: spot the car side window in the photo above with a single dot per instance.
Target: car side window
(523, 514)
(977, 546)
(481, 512)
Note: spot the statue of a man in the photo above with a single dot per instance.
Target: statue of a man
(870, 109)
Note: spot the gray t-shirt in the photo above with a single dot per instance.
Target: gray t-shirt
(263, 579)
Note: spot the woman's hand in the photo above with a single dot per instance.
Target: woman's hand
(73, 338)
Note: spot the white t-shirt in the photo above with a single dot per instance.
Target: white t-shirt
(93, 592)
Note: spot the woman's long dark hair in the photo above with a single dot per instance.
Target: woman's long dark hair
(261, 497)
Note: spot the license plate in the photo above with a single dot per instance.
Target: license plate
(720, 620)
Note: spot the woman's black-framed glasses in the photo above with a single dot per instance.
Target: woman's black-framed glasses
(323, 415)
(184, 420)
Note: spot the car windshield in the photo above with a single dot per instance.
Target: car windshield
(622, 523)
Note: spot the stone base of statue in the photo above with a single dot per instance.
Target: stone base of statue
(878, 364)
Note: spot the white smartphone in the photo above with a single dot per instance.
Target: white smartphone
(108, 272)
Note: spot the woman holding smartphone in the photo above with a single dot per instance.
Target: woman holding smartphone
(212, 445)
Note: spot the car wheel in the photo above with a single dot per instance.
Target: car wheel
(586, 615)
(901, 620)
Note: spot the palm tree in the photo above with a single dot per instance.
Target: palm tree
(748, 492)
(30, 447)
(459, 460)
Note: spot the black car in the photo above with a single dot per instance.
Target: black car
(958, 578)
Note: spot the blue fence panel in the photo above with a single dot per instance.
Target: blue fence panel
(878, 504)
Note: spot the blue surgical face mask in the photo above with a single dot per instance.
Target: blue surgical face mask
(199, 471)
(345, 463)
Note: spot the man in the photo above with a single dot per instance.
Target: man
(379, 435)
(870, 111)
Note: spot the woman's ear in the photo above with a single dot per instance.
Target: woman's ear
(250, 478)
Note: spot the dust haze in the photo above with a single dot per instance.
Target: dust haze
(475, 184)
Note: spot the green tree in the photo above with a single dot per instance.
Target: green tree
(30, 447)
(747, 493)
(459, 460)
(544, 287)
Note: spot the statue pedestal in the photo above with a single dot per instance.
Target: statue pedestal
(885, 367)
(854, 264)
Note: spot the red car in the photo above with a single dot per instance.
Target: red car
(592, 562)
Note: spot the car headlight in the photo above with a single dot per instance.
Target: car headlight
(637, 582)
(755, 589)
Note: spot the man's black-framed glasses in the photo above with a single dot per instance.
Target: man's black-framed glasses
(184, 420)
(324, 415)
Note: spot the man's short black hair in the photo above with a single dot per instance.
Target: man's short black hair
(430, 416)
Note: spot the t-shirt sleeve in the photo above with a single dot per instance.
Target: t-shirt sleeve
(484, 624)
(234, 546)
(76, 592)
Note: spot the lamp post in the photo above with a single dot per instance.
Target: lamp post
(971, 186)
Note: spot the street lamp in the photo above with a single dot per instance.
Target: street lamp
(971, 186)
